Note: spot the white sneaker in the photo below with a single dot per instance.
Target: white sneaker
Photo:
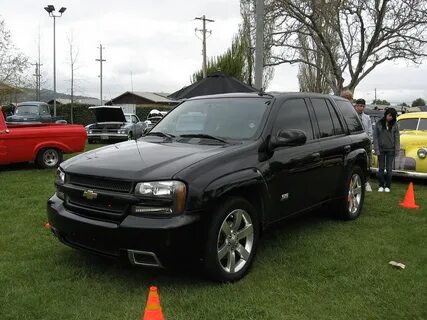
(387, 189)
(380, 189)
(368, 187)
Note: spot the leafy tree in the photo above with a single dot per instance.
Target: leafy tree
(232, 62)
(381, 102)
(369, 33)
(418, 102)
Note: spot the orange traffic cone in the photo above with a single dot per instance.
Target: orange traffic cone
(47, 225)
(153, 310)
(409, 200)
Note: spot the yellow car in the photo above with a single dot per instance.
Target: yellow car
(412, 158)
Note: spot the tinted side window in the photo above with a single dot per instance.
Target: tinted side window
(326, 127)
(350, 116)
(338, 129)
(293, 114)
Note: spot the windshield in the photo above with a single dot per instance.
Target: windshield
(27, 109)
(128, 118)
(408, 124)
(423, 124)
(227, 118)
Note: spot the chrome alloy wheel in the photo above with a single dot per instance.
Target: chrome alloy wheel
(354, 193)
(235, 241)
(50, 157)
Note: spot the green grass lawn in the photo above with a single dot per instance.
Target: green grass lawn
(312, 267)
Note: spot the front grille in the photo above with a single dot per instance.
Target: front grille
(100, 183)
(99, 210)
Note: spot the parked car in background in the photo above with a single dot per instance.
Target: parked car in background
(34, 112)
(210, 177)
(113, 125)
(153, 117)
(44, 143)
(375, 115)
(412, 158)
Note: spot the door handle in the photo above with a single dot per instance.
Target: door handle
(347, 149)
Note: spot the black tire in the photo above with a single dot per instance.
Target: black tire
(242, 240)
(90, 141)
(49, 158)
(350, 206)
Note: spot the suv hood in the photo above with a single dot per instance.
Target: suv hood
(141, 160)
(108, 114)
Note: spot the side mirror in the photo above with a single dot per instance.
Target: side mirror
(288, 138)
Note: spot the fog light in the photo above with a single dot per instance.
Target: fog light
(422, 153)
(152, 210)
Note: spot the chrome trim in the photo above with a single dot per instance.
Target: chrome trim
(131, 256)
(402, 173)
(121, 135)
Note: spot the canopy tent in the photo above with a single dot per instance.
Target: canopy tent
(215, 83)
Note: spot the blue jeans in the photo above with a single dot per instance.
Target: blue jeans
(385, 161)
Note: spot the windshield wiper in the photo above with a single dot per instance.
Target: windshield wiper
(202, 135)
(160, 134)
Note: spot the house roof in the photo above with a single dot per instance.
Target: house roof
(215, 83)
(89, 101)
(150, 96)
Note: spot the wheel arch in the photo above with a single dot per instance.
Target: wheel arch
(248, 184)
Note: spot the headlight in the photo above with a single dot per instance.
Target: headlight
(59, 179)
(59, 176)
(422, 153)
(161, 197)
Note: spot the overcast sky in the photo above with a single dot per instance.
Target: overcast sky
(152, 44)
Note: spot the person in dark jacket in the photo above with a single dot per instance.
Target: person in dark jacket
(386, 147)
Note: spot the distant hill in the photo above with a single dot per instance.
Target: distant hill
(45, 95)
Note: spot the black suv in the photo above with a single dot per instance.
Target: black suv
(210, 177)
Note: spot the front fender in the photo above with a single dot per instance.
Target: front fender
(248, 183)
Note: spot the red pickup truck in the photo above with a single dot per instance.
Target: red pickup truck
(44, 143)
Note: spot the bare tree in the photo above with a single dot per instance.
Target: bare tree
(12, 63)
(369, 33)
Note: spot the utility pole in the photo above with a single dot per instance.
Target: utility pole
(259, 44)
(375, 99)
(203, 31)
(100, 76)
(37, 75)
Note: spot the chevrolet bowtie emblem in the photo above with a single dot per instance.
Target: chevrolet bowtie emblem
(90, 195)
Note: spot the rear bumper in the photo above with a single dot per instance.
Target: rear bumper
(169, 240)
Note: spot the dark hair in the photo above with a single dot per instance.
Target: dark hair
(393, 113)
(361, 101)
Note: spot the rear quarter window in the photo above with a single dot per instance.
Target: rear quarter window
(350, 116)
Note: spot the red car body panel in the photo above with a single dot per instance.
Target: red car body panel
(22, 142)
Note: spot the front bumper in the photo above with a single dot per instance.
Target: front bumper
(169, 239)
(108, 136)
